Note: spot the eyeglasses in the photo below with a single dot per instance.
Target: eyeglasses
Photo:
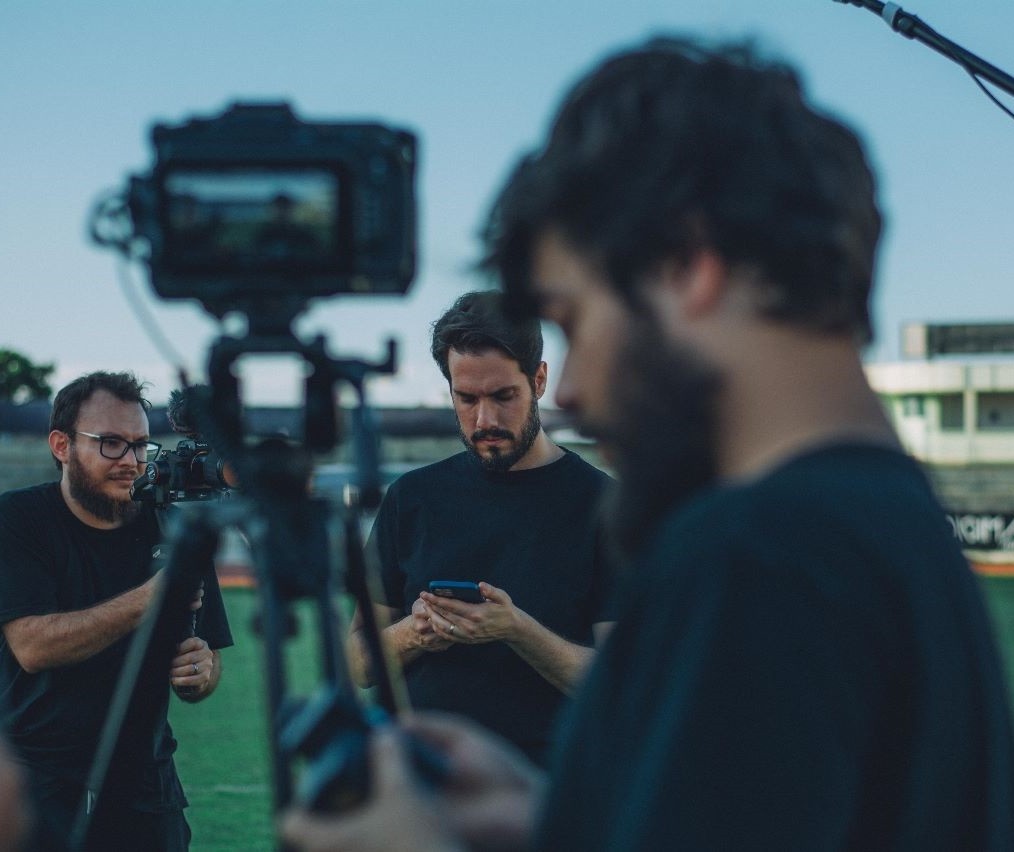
(113, 447)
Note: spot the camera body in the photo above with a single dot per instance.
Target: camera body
(193, 471)
(256, 210)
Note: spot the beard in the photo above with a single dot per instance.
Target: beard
(496, 461)
(662, 433)
(87, 491)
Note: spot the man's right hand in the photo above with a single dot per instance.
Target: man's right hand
(488, 801)
(422, 635)
(492, 791)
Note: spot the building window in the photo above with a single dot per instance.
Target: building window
(996, 412)
(952, 411)
(911, 406)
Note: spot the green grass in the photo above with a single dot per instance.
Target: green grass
(223, 757)
(1000, 600)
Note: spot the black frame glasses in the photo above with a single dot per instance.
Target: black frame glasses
(150, 448)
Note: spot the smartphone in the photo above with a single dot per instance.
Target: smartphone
(461, 590)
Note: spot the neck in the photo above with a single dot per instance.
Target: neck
(791, 391)
(542, 452)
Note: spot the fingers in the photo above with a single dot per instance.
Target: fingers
(311, 833)
(193, 664)
(389, 762)
(445, 606)
(398, 815)
(493, 594)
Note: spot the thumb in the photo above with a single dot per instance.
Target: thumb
(389, 761)
(492, 593)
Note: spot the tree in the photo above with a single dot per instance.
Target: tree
(21, 380)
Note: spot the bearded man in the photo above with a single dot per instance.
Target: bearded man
(75, 581)
(515, 512)
(801, 657)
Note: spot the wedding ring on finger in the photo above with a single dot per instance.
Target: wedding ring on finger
(197, 668)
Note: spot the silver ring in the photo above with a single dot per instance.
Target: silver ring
(197, 668)
(451, 628)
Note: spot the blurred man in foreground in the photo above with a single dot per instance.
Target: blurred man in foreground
(802, 659)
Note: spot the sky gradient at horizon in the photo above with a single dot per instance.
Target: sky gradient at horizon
(81, 84)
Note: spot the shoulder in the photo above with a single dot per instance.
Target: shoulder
(421, 485)
(823, 513)
(34, 498)
(840, 481)
(573, 464)
(432, 474)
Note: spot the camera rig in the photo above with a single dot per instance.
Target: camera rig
(194, 470)
(258, 212)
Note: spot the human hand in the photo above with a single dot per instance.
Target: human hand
(472, 624)
(400, 814)
(421, 626)
(15, 809)
(491, 791)
(198, 599)
(192, 667)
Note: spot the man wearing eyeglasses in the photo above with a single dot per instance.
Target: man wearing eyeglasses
(75, 582)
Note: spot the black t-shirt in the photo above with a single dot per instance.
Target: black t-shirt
(533, 533)
(52, 562)
(803, 662)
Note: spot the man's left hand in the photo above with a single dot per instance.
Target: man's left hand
(472, 624)
(192, 665)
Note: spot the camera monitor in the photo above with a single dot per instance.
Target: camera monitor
(244, 218)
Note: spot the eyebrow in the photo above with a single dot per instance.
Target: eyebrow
(117, 435)
(497, 392)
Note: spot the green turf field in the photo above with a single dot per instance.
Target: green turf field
(223, 756)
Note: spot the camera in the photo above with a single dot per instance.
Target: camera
(258, 212)
(256, 209)
(193, 471)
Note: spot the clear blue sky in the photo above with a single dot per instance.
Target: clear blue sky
(81, 82)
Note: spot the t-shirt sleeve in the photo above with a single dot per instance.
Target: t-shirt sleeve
(27, 585)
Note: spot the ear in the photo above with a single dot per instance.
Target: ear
(541, 375)
(688, 291)
(703, 284)
(59, 445)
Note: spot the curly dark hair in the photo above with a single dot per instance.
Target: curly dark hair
(477, 322)
(67, 404)
(671, 147)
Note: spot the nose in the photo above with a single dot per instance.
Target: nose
(566, 393)
(129, 459)
(485, 414)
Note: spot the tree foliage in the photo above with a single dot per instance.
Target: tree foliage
(21, 380)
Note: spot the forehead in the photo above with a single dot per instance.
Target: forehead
(105, 413)
(483, 372)
(563, 278)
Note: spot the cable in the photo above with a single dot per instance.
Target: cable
(146, 319)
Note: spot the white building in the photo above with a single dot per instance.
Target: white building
(952, 404)
(951, 412)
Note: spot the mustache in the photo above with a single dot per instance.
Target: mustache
(486, 434)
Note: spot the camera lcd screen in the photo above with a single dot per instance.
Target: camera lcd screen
(250, 220)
